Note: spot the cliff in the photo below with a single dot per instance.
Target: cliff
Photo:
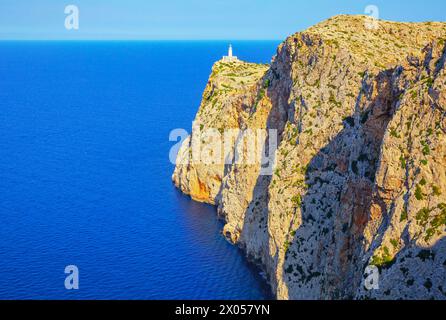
(359, 174)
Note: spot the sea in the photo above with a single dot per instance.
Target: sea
(85, 176)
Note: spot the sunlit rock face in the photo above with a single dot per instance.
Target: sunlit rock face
(359, 173)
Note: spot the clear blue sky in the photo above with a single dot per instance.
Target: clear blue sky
(193, 19)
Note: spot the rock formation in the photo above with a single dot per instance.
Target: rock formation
(360, 170)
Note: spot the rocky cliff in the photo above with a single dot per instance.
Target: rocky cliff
(359, 174)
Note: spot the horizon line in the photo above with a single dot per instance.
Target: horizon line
(139, 40)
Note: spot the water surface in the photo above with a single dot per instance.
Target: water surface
(85, 177)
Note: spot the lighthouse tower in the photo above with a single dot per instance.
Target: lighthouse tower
(230, 57)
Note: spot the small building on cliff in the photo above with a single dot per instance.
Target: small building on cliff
(230, 57)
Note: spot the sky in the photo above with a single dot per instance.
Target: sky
(192, 19)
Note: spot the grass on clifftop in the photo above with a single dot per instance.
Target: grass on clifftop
(380, 46)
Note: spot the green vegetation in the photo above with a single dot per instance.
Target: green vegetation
(404, 215)
(437, 222)
(297, 200)
(286, 245)
(426, 150)
(364, 117)
(403, 162)
(355, 167)
(394, 243)
(350, 121)
(395, 134)
(226, 86)
(425, 254)
(436, 190)
(418, 193)
(309, 131)
(422, 216)
(428, 284)
(363, 157)
(333, 100)
(440, 220)
(260, 96)
(384, 260)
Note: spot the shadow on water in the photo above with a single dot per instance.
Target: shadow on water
(205, 229)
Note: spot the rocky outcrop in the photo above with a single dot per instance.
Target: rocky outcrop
(359, 174)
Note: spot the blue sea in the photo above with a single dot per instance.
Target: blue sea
(85, 176)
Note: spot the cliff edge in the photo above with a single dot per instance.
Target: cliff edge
(359, 174)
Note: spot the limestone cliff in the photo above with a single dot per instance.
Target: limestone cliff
(360, 170)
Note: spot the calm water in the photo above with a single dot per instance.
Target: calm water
(85, 175)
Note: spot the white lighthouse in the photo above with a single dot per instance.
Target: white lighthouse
(230, 57)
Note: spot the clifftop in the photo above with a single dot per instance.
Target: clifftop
(235, 75)
(377, 45)
(359, 172)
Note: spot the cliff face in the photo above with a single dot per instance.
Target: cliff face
(360, 169)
